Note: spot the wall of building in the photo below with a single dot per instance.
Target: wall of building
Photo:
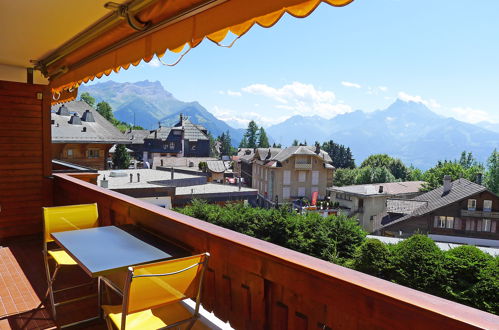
(202, 148)
(262, 179)
(25, 162)
(427, 224)
(79, 153)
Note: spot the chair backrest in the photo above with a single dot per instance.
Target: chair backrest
(70, 217)
(158, 284)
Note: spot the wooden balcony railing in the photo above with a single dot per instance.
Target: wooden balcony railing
(480, 214)
(259, 285)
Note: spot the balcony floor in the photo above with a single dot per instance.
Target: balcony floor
(23, 285)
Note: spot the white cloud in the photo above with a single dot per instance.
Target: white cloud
(242, 118)
(300, 98)
(383, 88)
(470, 115)
(154, 62)
(350, 84)
(431, 103)
(232, 93)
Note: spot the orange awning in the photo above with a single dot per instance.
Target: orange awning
(188, 23)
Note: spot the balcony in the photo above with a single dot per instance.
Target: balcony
(250, 283)
(480, 214)
(303, 166)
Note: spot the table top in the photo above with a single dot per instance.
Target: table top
(103, 250)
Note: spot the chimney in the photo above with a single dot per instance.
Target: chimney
(181, 117)
(104, 183)
(317, 149)
(479, 178)
(74, 120)
(447, 184)
(380, 189)
(63, 111)
(84, 129)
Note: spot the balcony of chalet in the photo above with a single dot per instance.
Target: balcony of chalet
(250, 283)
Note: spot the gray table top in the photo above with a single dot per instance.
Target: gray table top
(103, 250)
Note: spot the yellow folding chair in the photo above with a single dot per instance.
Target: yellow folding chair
(153, 295)
(58, 219)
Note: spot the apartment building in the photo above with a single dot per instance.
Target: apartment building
(284, 175)
(366, 201)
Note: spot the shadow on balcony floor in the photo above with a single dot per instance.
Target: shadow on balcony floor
(23, 285)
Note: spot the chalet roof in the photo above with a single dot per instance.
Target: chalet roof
(246, 154)
(191, 131)
(301, 150)
(159, 133)
(137, 136)
(70, 126)
(389, 188)
(267, 153)
(217, 166)
(460, 189)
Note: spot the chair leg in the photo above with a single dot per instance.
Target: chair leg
(50, 289)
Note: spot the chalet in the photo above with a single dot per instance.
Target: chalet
(291, 173)
(366, 201)
(80, 135)
(460, 208)
(184, 139)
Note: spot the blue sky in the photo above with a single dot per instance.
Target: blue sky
(443, 53)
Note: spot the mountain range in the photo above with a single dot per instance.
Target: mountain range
(406, 130)
(147, 103)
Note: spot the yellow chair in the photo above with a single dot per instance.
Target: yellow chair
(58, 219)
(153, 294)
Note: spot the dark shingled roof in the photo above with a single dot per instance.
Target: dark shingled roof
(461, 189)
(98, 131)
(137, 136)
(192, 132)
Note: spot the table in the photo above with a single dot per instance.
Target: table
(102, 250)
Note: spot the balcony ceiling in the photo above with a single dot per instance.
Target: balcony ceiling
(35, 30)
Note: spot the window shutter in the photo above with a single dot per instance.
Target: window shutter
(493, 227)
(435, 223)
(479, 225)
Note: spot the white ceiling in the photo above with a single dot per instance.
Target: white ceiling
(32, 29)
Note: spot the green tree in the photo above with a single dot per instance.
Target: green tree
(251, 135)
(377, 160)
(263, 140)
(484, 293)
(344, 177)
(213, 148)
(394, 165)
(106, 111)
(244, 142)
(340, 155)
(381, 175)
(87, 98)
(374, 258)
(464, 265)
(419, 264)
(492, 174)
(276, 145)
(225, 144)
(121, 158)
(295, 143)
(415, 174)
(434, 176)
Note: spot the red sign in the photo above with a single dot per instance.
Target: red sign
(315, 194)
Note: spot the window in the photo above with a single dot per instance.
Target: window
(93, 153)
(69, 152)
(486, 224)
(470, 225)
(172, 145)
(301, 191)
(285, 193)
(487, 205)
(286, 179)
(444, 222)
(471, 204)
(302, 176)
(315, 177)
(165, 146)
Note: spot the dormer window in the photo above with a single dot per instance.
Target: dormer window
(172, 145)
(471, 204)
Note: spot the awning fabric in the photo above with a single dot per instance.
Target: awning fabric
(236, 16)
